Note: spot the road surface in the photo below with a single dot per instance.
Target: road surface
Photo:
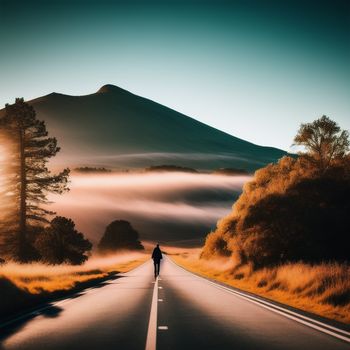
(177, 311)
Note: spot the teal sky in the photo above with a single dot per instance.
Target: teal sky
(255, 69)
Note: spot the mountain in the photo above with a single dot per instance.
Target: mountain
(115, 128)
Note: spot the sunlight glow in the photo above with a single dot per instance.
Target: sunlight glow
(5, 193)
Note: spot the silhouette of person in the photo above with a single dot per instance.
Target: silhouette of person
(156, 256)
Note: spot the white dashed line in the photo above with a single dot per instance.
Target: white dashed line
(151, 341)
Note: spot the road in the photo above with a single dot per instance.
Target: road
(177, 311)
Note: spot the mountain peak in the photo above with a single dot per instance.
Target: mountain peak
(109, 88)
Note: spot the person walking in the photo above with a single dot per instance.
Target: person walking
(156, 256)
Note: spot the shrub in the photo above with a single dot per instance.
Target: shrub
(119, 235)
(61, 243)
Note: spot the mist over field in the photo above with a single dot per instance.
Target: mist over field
(174, 208)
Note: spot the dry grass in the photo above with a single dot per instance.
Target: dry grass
(24, 286)
(37, 278)
(323, 289)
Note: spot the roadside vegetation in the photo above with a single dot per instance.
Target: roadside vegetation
(294, 210)
(28, 285)
(322, 289)
(287, 235)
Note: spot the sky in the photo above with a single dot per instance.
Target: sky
(254, 69)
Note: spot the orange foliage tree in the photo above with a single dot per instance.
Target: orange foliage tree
(291, 210)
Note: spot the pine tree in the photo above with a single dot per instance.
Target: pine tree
(31, 180)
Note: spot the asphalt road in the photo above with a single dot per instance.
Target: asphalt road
(177, 311)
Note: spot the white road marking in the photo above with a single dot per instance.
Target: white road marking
(160, 287)
(151, 341)
(322, 327)
(160, 299)
(163, 328)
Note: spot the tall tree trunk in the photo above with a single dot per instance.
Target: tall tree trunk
(22, 233)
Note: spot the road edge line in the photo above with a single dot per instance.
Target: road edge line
(274, 308)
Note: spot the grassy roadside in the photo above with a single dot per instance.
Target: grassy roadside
(322, 289)
(24, 286)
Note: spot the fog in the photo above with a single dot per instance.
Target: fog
(176, 208)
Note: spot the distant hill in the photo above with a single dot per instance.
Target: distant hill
(169, 168)
(114, 128)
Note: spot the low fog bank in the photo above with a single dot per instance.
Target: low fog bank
(166, 207)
